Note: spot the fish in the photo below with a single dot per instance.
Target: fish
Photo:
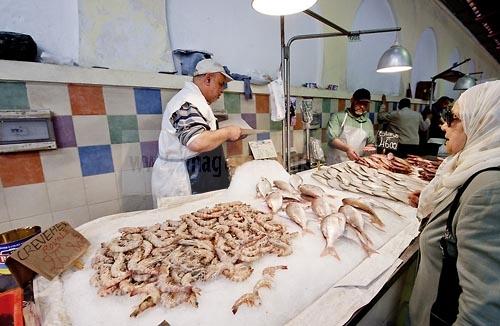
(274, 201)
(296, 181)
(285, 186)
(358, 203)
(354, 235)
(379, 204)
(332, 228)
(321, 208)
(311, 190)
(401, 196)
(264, 187)
(297, 214)
(353, 217)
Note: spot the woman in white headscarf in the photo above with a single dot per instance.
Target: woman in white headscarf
(467, 271)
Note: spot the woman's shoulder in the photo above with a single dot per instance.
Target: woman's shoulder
(483, 191)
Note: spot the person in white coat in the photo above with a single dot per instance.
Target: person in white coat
(350, 133)
(190, 156)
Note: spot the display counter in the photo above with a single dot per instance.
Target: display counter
(315, 289)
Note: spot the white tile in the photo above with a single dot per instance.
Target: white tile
(136, 203)
(66, 194)
(100, 188)
(61, 164)
(44, 221)
(4, 214)
(119, 100)
(126, 156)
(149, 126)
(5, 226)
(104, 209)
(75, 216)
(133, 182)
(27, 200)
(49, 96)
(91, 130)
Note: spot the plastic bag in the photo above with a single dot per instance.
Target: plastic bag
(277, 99)
(317, 152)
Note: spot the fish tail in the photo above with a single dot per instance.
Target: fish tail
(331, 252)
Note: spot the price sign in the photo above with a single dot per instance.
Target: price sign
(387, 140)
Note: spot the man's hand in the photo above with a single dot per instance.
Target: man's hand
(352, 155)
(233, 133)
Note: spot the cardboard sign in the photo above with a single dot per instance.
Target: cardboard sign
(49, 253)
(262, 149)
(387, 140)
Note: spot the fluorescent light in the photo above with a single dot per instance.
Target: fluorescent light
(395, 59)
(281, 7)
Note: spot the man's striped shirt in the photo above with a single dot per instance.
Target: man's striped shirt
(188, 122)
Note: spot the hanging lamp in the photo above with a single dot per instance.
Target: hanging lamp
(464, 82)
(281, 7)
(395, 59)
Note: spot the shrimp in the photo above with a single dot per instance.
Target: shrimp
(271, 270)
(252, 299)
(263, 283)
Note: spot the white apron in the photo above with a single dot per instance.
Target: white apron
(354, 137)
(170, 176)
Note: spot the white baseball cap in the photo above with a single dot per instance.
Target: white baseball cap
(207, 66)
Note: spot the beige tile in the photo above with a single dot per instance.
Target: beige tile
(4, 214)
(263, 121)
(276, 138)
(27, 200)
(49, 96)
(5, 226)
(91, 130)
(104, 209)
(218, 106)
(298, 141)
(166, 95)
(126, 156)
(61, 164)
(136, 203)
(247, 106)
(119, 100)
(133, 182)
(44, 221)
(317, 105)
(75, 216)
(149, 126)
(100, 188)
(66, 194)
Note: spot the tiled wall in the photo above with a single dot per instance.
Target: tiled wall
(107, 140)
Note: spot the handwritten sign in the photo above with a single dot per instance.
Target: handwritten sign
(49, 253)
(262, 149)
(387, 140)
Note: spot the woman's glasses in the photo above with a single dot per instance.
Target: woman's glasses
(449, 117)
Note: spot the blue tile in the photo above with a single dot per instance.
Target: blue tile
(263, 135)
(96, 159)
(147, 100)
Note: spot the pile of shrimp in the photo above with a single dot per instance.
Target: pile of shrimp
(163, 261)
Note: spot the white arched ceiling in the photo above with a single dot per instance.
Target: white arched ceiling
(363, 56)
(471, 67)
(243, 39)
(448, 86)
(425, 59)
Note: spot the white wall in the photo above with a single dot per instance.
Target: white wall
(425, 59)
(243, 39)
(53, 24)
(448, 86)
(124, 34)
(363, 56)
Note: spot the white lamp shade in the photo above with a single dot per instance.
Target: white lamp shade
(464, 82)
(281, 7)
(395, 59)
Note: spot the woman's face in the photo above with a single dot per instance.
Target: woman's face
(455, 135)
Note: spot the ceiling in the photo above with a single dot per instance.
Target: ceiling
(482, 19)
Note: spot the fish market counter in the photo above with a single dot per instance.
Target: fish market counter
(307, 288)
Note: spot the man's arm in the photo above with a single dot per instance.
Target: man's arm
(333, 131)
(210, 139)
(350, 152)
(424, 125)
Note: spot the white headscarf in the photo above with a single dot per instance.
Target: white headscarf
(480, 115)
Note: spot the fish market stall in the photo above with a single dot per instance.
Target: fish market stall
(274, 268)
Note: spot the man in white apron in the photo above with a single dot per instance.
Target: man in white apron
(190, 156)
(350, 133)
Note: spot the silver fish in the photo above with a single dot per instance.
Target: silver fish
(283, 185)
(297, 214)
(320, 207)
(332, 228)
(358, 203)
(311, 190)
(264, 187)
(353, 217)
(274, 201)
(296, 181)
